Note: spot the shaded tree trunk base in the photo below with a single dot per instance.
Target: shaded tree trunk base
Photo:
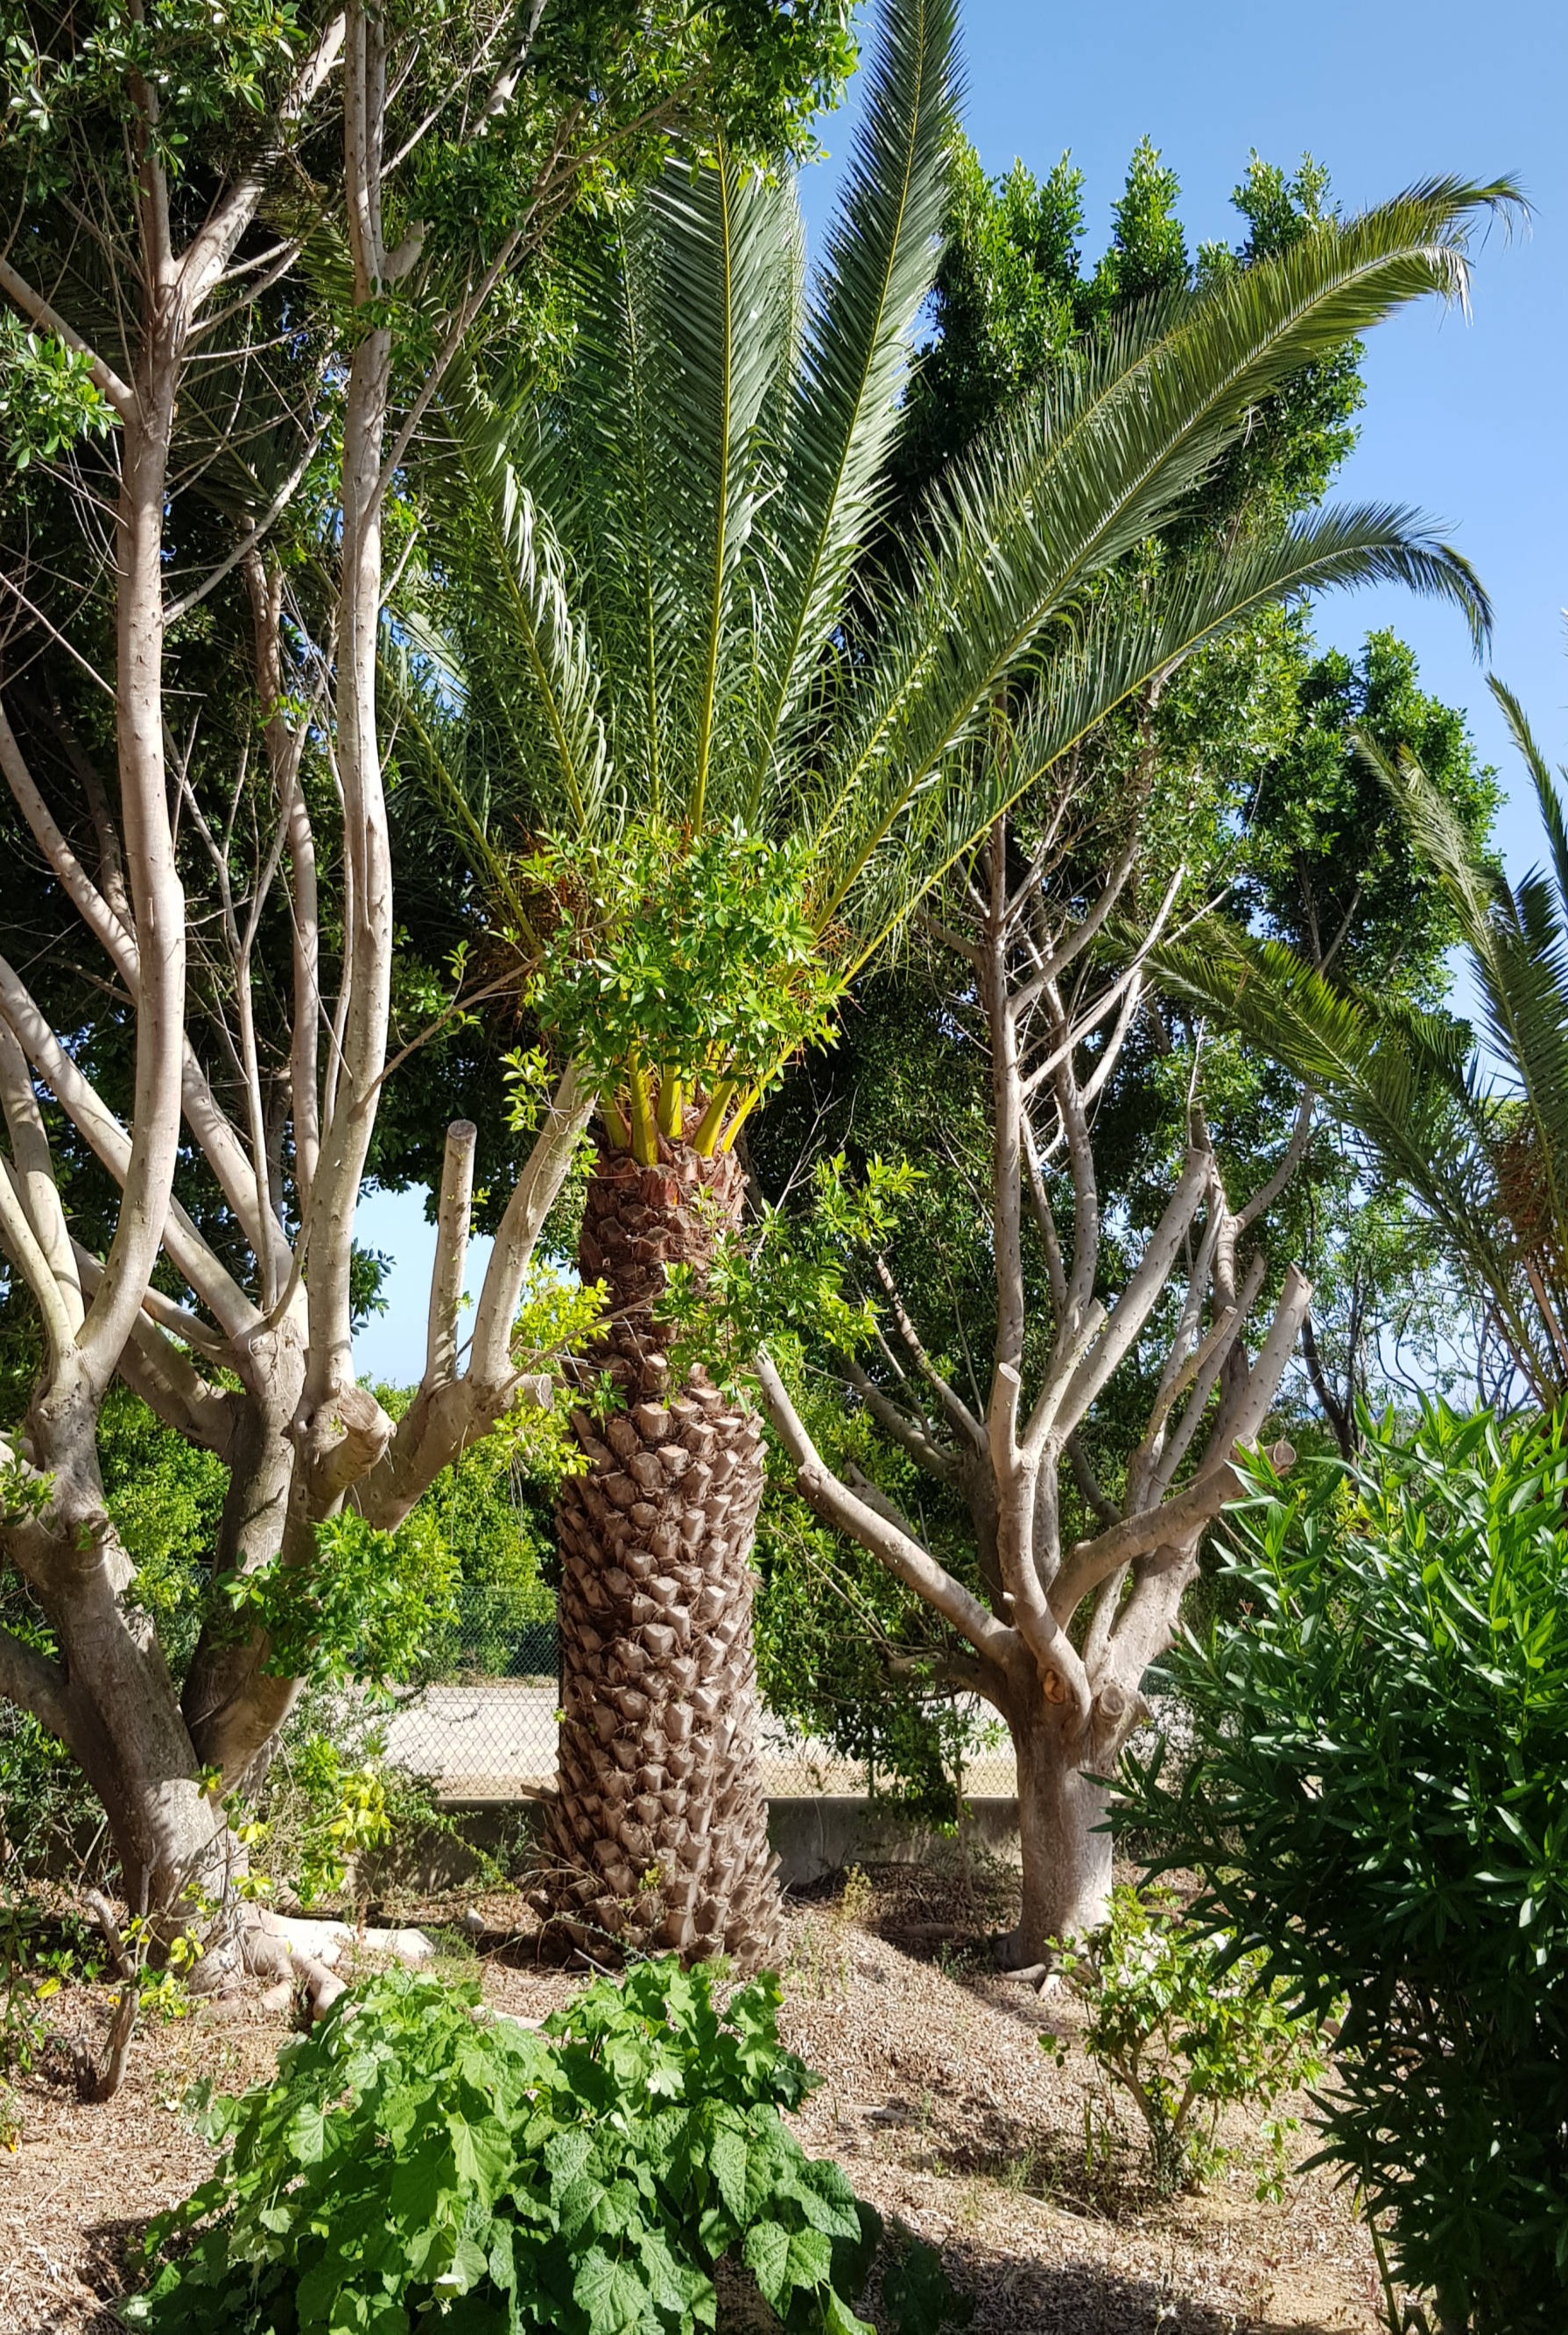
(1066, 1859)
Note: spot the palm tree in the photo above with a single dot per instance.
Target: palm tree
(1473, 1124)
(652, 647)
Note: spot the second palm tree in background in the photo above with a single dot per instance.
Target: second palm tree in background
(1472, 1123)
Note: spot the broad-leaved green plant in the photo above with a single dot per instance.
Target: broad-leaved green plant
(421, 2162)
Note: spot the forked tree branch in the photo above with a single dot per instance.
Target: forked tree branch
(905, 1431)
(155, 1365)
(1139, 1296)
(449, 1412)
(1090, 1562)
(27, 1259)
(836, 1503)
(214, 1131)
(48, 319)
(213, 246)
(955, 1409)
(534, 1195)
(1213, 1356)
(34, 1168)
(97, 1124)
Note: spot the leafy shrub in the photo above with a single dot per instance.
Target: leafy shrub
(329, 1802)
(1379, 1803)
(29, 1975)
(420, 2162)
(40, 1951)
(1187, 2029)
(684, 949)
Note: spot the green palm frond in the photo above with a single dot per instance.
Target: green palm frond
(1518, 951)
(1406, 1083)
(652, 575)
(1478, 1132)
(540, 650)
(727, 249)
(844, 401)
(1053, 496)
(890, 840)
(1548, 791)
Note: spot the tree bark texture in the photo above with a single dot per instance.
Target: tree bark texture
(115, 1707)
(1066, 1859)
(658, 1836)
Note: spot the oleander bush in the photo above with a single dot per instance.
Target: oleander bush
(1378, 1805)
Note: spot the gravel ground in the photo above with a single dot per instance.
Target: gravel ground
(935, 2098)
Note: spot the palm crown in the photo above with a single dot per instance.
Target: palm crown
(650, 604)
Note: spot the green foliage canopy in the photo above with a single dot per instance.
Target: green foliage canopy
(647, 596)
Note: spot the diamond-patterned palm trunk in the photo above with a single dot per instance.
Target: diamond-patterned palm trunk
(659, 1835)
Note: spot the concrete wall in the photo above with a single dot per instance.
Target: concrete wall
(812, 1838)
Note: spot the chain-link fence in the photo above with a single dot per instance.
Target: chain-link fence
(482, 1721)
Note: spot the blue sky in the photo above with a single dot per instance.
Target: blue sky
(1464, 418)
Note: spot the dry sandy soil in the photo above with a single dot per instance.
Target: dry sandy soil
(937, 2099)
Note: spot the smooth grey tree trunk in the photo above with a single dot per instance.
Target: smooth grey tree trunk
(1066, 1858)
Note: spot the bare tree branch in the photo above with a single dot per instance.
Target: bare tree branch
(837, 1505)
(254, 535)
(35, 1684)
(1295, 1152)
(20, 1244)
(957, 1410)
(92, 1119)
(543, 1174)
(906, 1432)
(1090, 1561)
(456, 1202)
(35, 1169)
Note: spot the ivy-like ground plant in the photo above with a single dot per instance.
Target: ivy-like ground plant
(420, 2162)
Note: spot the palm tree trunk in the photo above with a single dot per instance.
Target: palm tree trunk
(658, 1836)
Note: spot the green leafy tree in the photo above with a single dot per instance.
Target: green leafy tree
(244, 245)
(1069, 1258)
(1243, 780)
(1014, 298)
